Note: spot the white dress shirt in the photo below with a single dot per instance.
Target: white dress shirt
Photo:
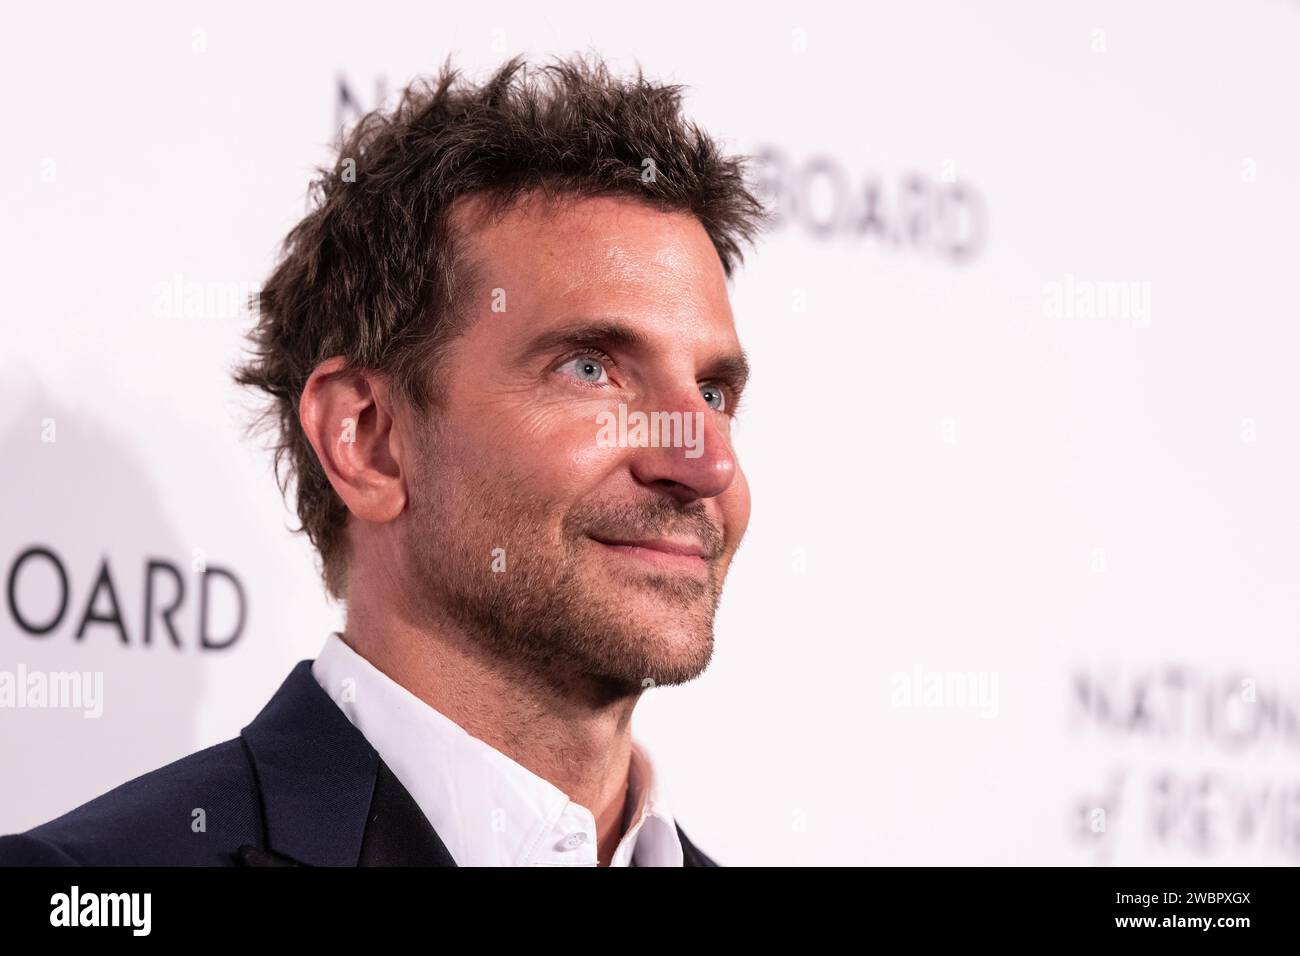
(487, 809)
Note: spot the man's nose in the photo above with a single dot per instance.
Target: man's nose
(693, 458)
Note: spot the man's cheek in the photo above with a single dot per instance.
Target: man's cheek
(555, 425)
(551, 462)
(737, 508)
(571, 449)
(587, 456)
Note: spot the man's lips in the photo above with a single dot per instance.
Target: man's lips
(680, 553)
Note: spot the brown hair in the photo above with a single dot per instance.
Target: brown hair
(374, 274)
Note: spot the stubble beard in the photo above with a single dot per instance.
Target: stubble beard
(553, 612)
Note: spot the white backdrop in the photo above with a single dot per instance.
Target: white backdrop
(1021, 583)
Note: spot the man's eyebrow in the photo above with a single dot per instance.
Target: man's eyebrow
(602, 335)
(733, 369)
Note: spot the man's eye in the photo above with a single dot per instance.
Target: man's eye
(714, 397)
(586, 368)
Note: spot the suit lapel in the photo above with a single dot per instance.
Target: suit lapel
(397, 831)
(316, 773)
(691, 854)
(249, 855)
(327, 798)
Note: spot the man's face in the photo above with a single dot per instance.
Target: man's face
(564, 550)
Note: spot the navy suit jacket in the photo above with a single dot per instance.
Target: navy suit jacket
(300, 785)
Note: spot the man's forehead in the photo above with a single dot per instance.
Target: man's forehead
(569, 241)
(598, 259)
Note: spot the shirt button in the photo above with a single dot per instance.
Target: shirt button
(572, 841)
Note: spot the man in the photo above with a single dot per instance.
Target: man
(504, 370)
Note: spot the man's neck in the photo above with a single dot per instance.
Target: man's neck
(578, 742)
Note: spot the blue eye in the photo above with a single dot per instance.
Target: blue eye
(713, 397)
(587, 369)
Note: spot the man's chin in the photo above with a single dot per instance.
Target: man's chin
(665, 619)
(668, 646)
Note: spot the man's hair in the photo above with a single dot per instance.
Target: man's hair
(375, 272)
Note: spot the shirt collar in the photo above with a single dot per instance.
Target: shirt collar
(488, 809)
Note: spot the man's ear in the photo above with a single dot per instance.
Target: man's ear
(348, 418)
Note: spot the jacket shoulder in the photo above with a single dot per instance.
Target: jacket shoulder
(192, 812)
(23, 849)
